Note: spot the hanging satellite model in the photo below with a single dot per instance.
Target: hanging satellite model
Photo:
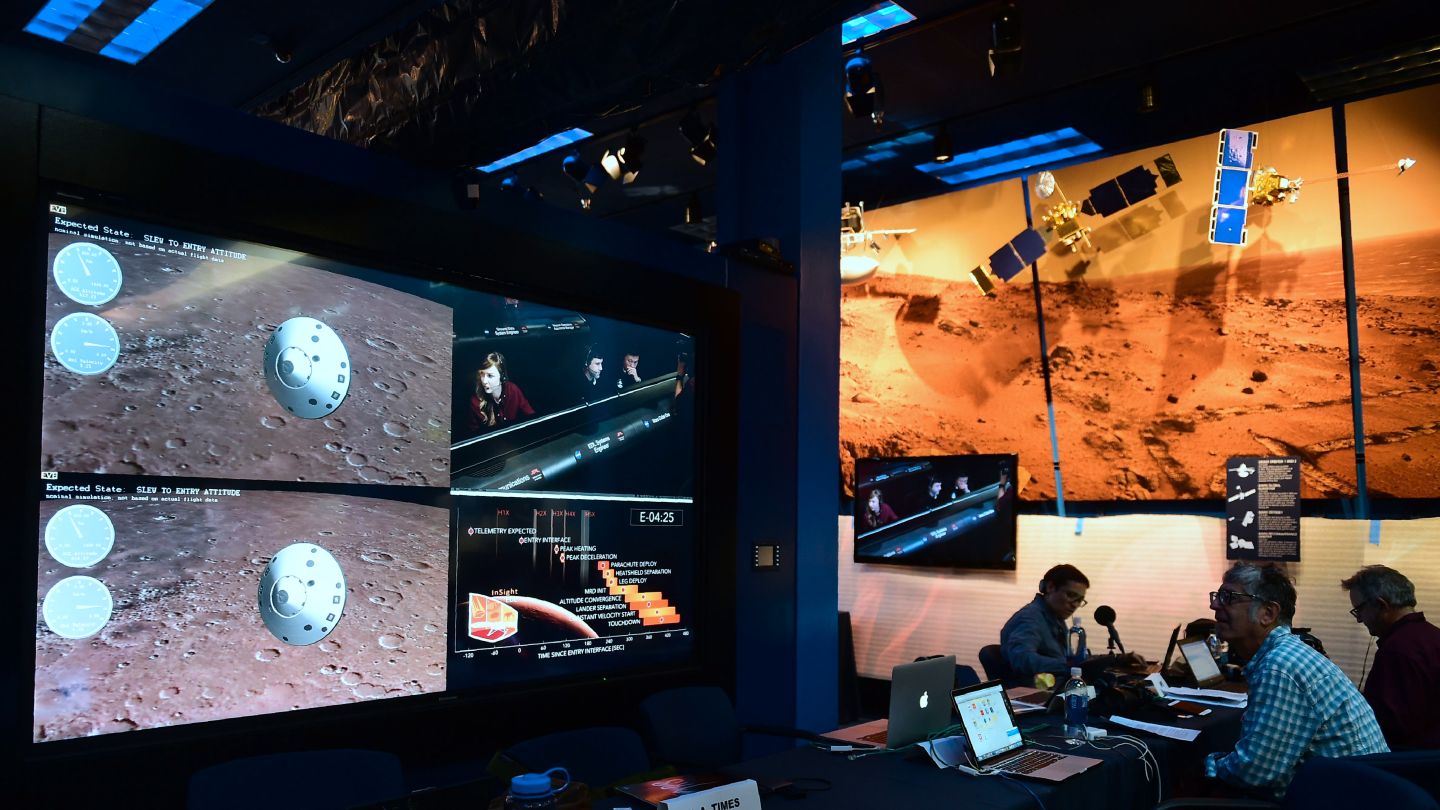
(1063, 217)
(1238, 185)
(859, 247)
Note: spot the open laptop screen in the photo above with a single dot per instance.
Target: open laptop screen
(989, 725)
(1202, 664)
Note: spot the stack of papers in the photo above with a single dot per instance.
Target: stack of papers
(1173, 732)
(1213, 697)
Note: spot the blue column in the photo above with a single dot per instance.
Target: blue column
(779, 178)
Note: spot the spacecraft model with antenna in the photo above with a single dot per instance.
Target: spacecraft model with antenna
(860, 246)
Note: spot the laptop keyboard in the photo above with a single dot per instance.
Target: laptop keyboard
(1028, 762)
(878, 738)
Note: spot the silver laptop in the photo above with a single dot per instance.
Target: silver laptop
(918, 706)
(1202, 664)
(994, 743)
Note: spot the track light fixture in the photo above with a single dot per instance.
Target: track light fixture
(702, 137)
(864, 95)
(1007, 39)
(943, 150)
(581, 174)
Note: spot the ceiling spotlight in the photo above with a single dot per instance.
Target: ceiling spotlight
(693, 212)
(1147, 98)
(575, 167)
(632, 157)
(1006, 40)
(864, 95)
(943, 150)
(701, 136)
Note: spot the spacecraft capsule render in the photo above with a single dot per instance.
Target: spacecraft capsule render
(307, 368)
(302, 594)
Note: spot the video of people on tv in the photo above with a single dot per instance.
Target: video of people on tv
(551, 400)
(165, 605)
(176, 353)
(944, 511)
(546, 587)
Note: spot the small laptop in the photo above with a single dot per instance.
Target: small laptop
(994, 743)
(1170, 649)
(1202, 664)
(918, 706)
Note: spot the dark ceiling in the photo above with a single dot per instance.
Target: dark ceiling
(466, 81)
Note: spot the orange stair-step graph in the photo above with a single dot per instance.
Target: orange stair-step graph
(650, 606)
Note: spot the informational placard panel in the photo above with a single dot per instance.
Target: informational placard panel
(1262, 509)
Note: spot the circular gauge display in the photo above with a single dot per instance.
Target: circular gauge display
(77, 607)
(87, 273)
(79, 536)
(85, 343)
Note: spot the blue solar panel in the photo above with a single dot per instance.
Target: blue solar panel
(880, 18)
(1029, 244)
(549, 144)
(1237, 148)
(1227, 226)
(1004, 263)
(1231, 187)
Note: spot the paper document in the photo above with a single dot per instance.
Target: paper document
(1214, 697)
(1174, 733)
(1217, 695)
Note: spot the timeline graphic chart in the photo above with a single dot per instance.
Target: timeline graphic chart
(555, 586)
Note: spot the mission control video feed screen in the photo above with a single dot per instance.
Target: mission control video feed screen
(273, 481)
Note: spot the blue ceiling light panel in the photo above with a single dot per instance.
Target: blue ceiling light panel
(1012, 159)
(140, 35)
(1230, 201)
(549, 144)
(880, 18)
(59, 18)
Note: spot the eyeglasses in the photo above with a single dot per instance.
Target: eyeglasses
(1224, 597)
(1355, 611)
(1076, 597)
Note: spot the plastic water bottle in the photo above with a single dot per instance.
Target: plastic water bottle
(1077, 706)
(1212, 641)
(536, 791)
(1075, 649)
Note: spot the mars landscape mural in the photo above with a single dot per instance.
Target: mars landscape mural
(1167, 353)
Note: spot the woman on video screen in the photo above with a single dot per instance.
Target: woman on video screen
(497, 401)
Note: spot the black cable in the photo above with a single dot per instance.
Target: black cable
(1365, 665)
(1033, 794)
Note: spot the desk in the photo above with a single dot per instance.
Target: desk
(910, 779)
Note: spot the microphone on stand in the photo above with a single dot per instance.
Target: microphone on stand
(1105, 615)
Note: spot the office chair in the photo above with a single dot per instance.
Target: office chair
(992, 660)
(964, 673)
(331, 779)
(1322, 782)
(694, 728)
(599, 756)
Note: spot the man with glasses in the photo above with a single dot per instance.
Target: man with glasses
(1301, 705)
(1401, 687)
(1033, 640)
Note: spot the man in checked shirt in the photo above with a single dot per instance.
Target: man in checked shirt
(1301, 705)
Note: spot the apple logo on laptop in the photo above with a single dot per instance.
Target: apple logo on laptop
(924, 699)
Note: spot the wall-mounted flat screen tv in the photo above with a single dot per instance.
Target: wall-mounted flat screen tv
(273, 480)
(943, 511)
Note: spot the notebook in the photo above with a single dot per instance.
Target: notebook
(918, 706)
(994, 743)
